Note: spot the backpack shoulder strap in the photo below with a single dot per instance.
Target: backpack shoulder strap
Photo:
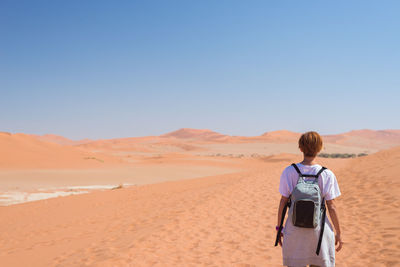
(321, 233)
(296, 168)
(320, 171)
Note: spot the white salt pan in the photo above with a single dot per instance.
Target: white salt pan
(15, 197)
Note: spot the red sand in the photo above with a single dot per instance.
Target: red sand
(217, 220)
(225, 220)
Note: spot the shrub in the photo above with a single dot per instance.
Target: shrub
(340, 155)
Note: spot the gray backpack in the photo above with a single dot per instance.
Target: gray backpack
(308, 210)
(307, 200)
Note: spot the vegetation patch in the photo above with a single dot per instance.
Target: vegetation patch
(99, 160)
(341, 155)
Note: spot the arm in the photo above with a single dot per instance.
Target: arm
(335, 219)
(282, 204)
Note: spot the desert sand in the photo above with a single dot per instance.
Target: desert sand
(191, 199)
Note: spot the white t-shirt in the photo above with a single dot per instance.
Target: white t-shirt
(327, 180)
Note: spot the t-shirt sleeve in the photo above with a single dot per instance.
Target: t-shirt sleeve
(284, 185)
(332, 190)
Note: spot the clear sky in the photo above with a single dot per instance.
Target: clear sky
(105, 69)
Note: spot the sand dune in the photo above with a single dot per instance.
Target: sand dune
(377, 139)
(223, 220)
(136, 144)
(205, 141)
(281, 136)
(61, 140)
(366, 138)
(216, 220)
(369, 208)
(140, 146)
(21, 151)
(200, 134)
(380, 139)
(209, 136)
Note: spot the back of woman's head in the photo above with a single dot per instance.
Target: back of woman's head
(310, 143)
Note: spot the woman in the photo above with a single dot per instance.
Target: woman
(299, 244)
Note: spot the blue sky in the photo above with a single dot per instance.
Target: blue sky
(105, 69)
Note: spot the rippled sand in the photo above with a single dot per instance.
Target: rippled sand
(219, 220)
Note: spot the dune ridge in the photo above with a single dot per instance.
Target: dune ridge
(26, 151)
(52, 151)
(381, 139)
(61, 140)
(189, 133)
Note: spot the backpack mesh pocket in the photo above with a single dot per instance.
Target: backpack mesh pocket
(303, 213)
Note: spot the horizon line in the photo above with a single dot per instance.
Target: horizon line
(196, 129)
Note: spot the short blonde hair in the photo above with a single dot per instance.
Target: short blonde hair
(310, 143)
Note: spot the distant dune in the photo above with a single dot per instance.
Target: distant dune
(382, 139)
(61, 140)
(281, 136)
(136, 144)
(215, 137)
(188, 137)
(200, 134)
(188, 140)
(53, 151)
(25, 151)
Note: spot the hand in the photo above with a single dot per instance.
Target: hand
(280, 239)
(338, 240)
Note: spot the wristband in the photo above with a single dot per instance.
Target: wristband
(277, 228)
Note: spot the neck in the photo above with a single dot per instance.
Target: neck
(308, 160)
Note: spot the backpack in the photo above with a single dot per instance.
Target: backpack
(308, 209)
